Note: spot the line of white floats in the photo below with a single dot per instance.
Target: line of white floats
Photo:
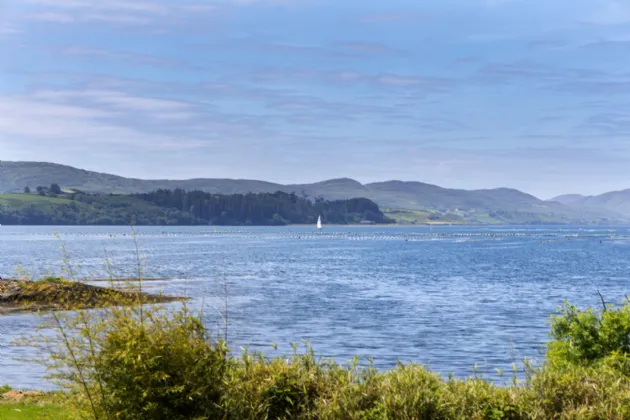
(356, 236)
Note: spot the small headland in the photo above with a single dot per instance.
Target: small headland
(55, 293)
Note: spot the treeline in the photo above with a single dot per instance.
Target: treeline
(179, 207)
(83, 209)
(265, 209)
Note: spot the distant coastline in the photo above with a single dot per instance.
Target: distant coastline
(403, 201)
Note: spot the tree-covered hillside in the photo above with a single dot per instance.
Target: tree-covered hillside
(50, 206)
(265, 209)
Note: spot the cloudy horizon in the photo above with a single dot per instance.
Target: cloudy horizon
(461, 94)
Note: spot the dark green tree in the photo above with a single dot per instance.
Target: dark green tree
(55, 188)
(27, 190)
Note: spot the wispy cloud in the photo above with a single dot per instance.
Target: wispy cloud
(399, 17)
(61, 17)
(545, 76)
(427, 84)
(611, 12)
(374, 91)
(101, 121)
(8, 29)
(368, 47)
(130, 12)
(152, 7)
(608, 43)
(619, 85)
(346, 50)
(122, 57)
(610, 124)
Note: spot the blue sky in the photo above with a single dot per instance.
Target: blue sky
(468, 94)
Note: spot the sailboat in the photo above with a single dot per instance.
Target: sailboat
(319, 222)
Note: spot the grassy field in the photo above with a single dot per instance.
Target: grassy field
(33, 410)
(420, 217)
(434, 217)
(19, 201)
(15, 405)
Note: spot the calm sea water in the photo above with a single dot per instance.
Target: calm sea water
(451, 297)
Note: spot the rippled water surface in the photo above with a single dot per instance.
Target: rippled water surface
(450, 296)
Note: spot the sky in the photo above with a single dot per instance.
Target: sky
(471, 94)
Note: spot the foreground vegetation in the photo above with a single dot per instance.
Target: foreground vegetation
(52, 206)
(146, 363)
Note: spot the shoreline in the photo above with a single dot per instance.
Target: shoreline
(465, 224)
(26, 296)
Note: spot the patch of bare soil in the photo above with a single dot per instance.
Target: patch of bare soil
(19, 395)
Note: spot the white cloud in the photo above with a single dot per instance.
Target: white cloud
(96, 120)
(52, 17)
(114, 18)
(120, 101)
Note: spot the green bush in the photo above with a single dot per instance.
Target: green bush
(162, 368)
(589, 337)
(278, 388)
(577, 392)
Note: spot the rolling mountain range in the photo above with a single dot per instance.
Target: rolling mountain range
(614, 202)
(501, 205)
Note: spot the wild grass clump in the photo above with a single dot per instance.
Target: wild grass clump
(127, 364)
(51, 280)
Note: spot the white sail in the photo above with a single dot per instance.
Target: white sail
(319, 222)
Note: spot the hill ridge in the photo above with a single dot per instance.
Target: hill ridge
(394, 194)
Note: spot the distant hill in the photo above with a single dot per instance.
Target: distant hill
(615, 202)
(501, 205)
(14, 176)
(568, 199)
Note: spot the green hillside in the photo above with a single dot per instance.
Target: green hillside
(14, 176)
